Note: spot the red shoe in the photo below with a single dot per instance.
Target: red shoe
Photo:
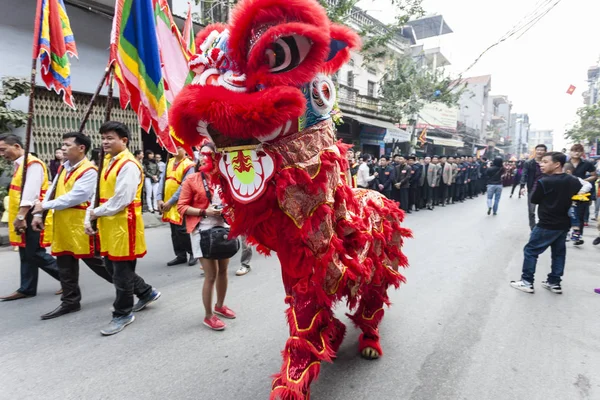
(586, 224)
(214, 323)
(225, 312)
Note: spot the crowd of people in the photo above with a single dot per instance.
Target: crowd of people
(419, 183)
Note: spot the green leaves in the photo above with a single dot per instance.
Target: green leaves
(12, 87)
(588, 126)
(406, 88)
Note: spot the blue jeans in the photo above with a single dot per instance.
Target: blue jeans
(539, 241)
(494, 192)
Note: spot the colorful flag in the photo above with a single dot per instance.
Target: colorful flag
(54, 43)
(138, 69)
(188, 32)
(423, 137)
(571, 89)
(174, 55)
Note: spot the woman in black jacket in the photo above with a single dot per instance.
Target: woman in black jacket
(494, 185)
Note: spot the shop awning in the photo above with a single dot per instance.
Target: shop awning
(392, 131)
(447, 142)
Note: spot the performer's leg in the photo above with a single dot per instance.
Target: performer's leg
(178, 246)
(367, 318)
(140, 288)
(97, 265)
(315, 336)
(68, 267)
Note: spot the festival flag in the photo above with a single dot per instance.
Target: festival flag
(423, 136)
(174, 54)
(188, 32)
(571, 89)
(54, 44)
(136, 57)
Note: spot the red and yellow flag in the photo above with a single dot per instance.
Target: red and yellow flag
(53, 44)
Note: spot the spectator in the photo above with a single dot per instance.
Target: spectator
(151, 174)
(364, 176)
(553, 195)
(494, 185)
(386, 177)
(55, 163)
(201, 204)
(531, 175)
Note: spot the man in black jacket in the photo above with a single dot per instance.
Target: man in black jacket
(415, 178)
(386, 177)
(402, 181)
(531, 175)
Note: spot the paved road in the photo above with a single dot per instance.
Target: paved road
(456, 330)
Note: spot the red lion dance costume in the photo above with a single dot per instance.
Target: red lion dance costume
(262, 94)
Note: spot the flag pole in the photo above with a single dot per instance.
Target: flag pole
(29, 127)
(109, 104)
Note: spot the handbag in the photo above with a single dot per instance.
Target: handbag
(215, 242)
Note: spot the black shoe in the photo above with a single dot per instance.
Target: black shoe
(417, 209)
(579, 242)
(489, 211)
(177, 261)
(61, 310)
(193, 261)
(596, 241)
(408, 212)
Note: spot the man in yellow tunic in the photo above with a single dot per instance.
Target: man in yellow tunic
(21, 199)
(177, 170)
(120, 225)
(69, 197)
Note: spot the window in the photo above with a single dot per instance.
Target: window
(350, 79)
(371, 70)
(371, 89)
(351, 62)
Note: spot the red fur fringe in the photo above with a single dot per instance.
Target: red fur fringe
(241, 114)
(252, 13)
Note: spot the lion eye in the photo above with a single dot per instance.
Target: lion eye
(287, 52)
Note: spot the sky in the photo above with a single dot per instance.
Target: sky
(535, 70)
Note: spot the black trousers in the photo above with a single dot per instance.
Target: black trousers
(404, 204)
(413, 197)
(33, 258)
(68, 269)
(127, 283)
(423, 196)
(182, 245)
(430, 197)
(452, 194)
(444, 190)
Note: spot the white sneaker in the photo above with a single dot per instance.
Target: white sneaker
(243, 270)
(553, 287)
(522, 286)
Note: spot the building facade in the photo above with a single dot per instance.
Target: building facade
(541, 136)
(474, 104)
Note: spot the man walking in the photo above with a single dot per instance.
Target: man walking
(531, 175)
(120, 225)
(32, 254)
(553, 195)
(69, 197)
(176, 172)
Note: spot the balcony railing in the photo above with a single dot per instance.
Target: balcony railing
(351, 97)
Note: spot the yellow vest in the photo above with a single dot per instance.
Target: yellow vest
(14, 201)
(121, 235)
(174, 176)
(69, 237)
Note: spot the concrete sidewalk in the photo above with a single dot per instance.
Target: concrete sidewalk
(150, 221)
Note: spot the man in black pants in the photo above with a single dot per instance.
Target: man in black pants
(386, 177)
(531, 175)
(402, 181)
(585, 170)
(415, 178)
(69, 196)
